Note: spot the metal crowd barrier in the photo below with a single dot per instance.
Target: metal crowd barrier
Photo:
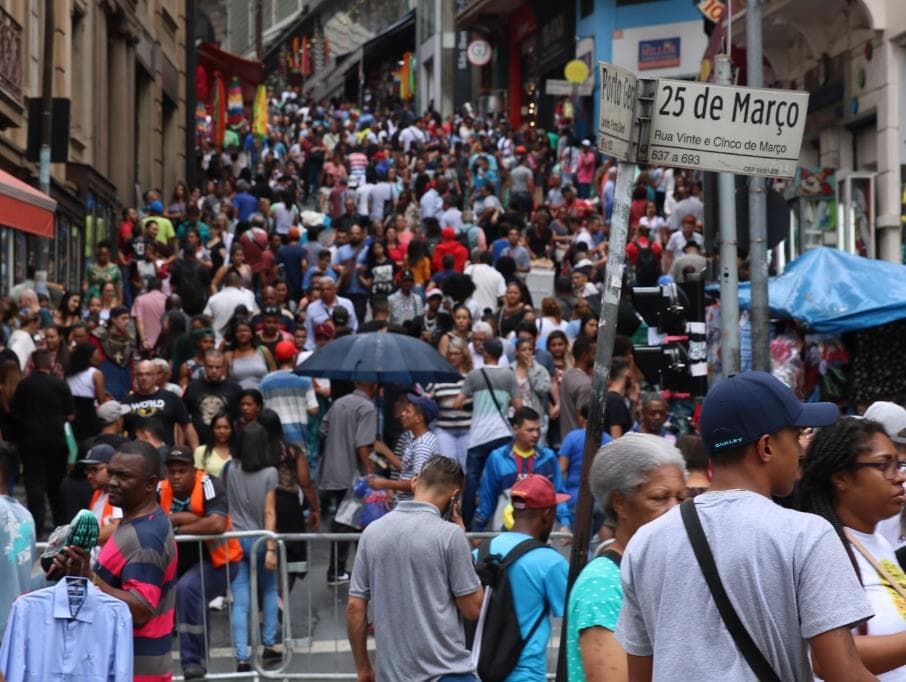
(294, 647)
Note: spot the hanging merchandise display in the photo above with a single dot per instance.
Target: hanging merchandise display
(305, 60)
(219, 111)
(235, 107)
(259, 113)
(202, 124)
(69, 631)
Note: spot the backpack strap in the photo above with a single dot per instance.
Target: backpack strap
(519, 551)
(511, 558)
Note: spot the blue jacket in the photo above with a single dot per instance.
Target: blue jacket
(500, 474)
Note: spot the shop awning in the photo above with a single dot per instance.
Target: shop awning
(25, 208)
(392, 36)
(249, 72)
(835, 292)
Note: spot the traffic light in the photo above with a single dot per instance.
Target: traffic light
(679, 363)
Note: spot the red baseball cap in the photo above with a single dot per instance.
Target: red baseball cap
(536, 492)
(285, 350)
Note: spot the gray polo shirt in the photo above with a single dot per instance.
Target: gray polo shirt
(350, 423)
(412, 565)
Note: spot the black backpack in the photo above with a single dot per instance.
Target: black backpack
(647, 269)
(501, 641)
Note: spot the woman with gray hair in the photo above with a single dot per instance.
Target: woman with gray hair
(635, 479)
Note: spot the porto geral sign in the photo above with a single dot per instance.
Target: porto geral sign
(616, 119)
(725, 128)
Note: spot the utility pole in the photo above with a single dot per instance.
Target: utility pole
(758, 229)
(729, 274)
(259, 29)
(43, 252)
(191, 137)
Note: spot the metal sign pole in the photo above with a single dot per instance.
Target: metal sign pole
(636, 137)
(758, 220)
(729, 272)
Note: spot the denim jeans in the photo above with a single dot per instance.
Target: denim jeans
(459, 677)
(267, 581)
(475, 459)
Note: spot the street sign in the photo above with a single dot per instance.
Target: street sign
(478, 52)
(576, 71)
(562, 88)
(726, 128)
(617, 116)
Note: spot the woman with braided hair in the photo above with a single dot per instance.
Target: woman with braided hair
(853, 477)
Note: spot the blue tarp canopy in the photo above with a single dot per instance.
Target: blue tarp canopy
(835, 292)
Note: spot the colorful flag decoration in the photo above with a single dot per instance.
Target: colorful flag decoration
(219, 111)
(235, 105)
(259, 113)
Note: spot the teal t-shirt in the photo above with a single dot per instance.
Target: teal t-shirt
(595, 601)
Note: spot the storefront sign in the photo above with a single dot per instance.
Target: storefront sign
(712, 9)
(479, 52)
(663, 53)
(563, 88)
(726, 128)
(461, 80)
(556, 22)
(617, 116)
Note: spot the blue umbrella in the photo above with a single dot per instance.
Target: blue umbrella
(382, 357)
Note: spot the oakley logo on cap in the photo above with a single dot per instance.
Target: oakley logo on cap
(727, 443)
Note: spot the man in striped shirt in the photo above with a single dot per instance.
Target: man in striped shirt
(137, 565)
(415, 447)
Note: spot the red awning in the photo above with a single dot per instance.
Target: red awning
(250, 73)
(25, 208)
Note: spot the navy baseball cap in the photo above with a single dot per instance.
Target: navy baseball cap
(741, 409)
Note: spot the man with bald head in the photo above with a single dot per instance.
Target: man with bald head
(148, 401)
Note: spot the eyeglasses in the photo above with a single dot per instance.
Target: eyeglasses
(889, 469)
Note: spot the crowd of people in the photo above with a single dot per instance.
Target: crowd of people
(164, 396)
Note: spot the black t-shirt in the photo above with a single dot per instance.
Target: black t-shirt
(383, 275)
(163, 405)
(617, 413)
(41, 404)
(204, 399)
(538, 243)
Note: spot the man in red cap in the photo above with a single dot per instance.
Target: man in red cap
(290, 395)
(537, 578)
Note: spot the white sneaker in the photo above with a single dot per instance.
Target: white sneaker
(217, 603)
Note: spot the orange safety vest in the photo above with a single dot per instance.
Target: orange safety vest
(222, 551)
(106, 512)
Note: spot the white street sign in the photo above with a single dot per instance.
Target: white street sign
(728, 129)
(563, 88)
(617, 117)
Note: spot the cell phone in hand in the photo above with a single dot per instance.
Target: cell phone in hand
(448, 514)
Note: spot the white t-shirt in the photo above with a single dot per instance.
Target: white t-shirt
(362, 197)
(786, 572)
(223, 304)
(888, 605)
(489, 285)
(678, 240)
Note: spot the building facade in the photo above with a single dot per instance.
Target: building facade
(121, 66)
